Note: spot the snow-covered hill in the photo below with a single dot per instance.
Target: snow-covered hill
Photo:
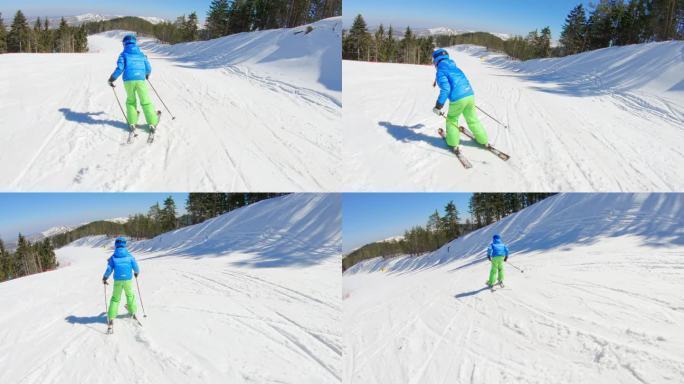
(256, 111)
(220, 308)
(599, 300)
(588, 122)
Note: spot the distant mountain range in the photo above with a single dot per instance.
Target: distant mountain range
(85, 18)
(438, 31)
(11, 244)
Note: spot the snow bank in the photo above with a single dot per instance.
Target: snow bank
(304, 58)
(304, 228)
(654, 68)
(563, 222)
(297, 229)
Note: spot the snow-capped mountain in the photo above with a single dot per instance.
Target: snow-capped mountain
(398, 32)
(77, 20)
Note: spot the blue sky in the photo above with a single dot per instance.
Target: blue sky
(368, 217)
(168, 9)
(31, 213)
(501, 16)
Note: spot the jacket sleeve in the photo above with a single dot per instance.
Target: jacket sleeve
(148, 67)
(110, 268)
(444, 87)
(489, 251)
(120, 66)
(134, 264)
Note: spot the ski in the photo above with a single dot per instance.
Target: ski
(488, 147)
(153, 129)
(131, 134)
(464, 161)
(135, 318)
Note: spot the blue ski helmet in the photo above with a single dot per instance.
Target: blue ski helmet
(497, 238)
(439, 55)
(120, 242)
(129, 39)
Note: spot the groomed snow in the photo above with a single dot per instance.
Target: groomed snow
(256, 111)
(221, 308)
(608, 120)
(599, 301)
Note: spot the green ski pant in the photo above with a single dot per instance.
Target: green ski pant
(139, 88)
(127, 287)
(465, 107)
(497, 268)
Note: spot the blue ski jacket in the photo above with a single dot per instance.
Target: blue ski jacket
(122, 263)
(132, 63)
(497, 248)
(453, 83)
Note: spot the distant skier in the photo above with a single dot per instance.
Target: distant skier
(136, 69)
(455, 87)
(124, 266)
(497, 253)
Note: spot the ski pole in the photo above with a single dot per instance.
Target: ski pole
(105, 293)
(140, 296)
(492, 117)
(512, 265)
(118, 102)
(162, 101)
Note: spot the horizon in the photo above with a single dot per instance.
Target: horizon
(510, 18)
(372, 217)
(168, 10)
(33, 213)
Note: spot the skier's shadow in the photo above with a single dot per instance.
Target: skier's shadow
(87, 118)
(101, 318)
(471, 293)
(410, 133)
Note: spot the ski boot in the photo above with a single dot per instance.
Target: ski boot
(131, 133)
(110, 327)
(501, 284)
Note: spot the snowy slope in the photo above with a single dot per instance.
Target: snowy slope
(599, 301)
(608, 120)
(217, 311)
(255, 111)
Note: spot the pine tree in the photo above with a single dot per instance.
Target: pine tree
(359, 39)
(380, 54)
(3, 35)
(168, 220)
(391, 46)
(191, 30)
(19, 38)
(217, 19)
(574, 35)
(450, 221)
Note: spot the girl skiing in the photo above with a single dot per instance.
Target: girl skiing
(455, 87)
(124, 266)
(136, 69)
(497, 253)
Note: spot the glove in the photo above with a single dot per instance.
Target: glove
(506, 258)
(111, 82)
(104, 281)
(489, 258)
(437, 111)
(434, 84)
(147, 77)
(135, 274)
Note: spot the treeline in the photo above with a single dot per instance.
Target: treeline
(21, 38)
(381, 46)
(226, 18)
(620, 22)
(229, 17)
(27, 259)
(485, 209)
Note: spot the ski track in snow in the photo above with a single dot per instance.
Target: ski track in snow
(584, 311)
(235, 129)
(599, 138)
(210, 319)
